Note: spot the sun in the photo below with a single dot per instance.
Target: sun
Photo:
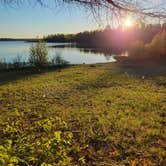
(128, 22)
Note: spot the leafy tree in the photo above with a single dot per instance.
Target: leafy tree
(154, 50)
(157, 45)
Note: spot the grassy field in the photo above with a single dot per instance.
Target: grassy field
(96, 115)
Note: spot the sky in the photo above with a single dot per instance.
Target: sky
(28, 21)
(31, 21)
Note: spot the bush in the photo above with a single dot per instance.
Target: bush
(38, 54)
(57, 60)
(3, 65)
(17, 62)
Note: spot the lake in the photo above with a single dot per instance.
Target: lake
(9, 50)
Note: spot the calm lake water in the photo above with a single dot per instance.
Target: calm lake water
(9, 50)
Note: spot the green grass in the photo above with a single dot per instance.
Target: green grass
(98, 115)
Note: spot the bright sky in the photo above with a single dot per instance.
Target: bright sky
(30, 22)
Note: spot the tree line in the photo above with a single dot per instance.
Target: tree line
(141, 41)
(118, 38)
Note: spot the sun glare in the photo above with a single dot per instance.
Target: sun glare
(128, 22)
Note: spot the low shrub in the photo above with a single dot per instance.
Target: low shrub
(38, 54)
(57, 60)
(17, 62)
(3, 65)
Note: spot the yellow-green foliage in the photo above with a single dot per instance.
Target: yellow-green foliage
(156, 49)
(158, 45)
(82, 115)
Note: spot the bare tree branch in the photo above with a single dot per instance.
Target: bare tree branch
(150, 8)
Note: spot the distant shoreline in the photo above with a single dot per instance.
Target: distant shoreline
(31, 40)
(23, 39)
